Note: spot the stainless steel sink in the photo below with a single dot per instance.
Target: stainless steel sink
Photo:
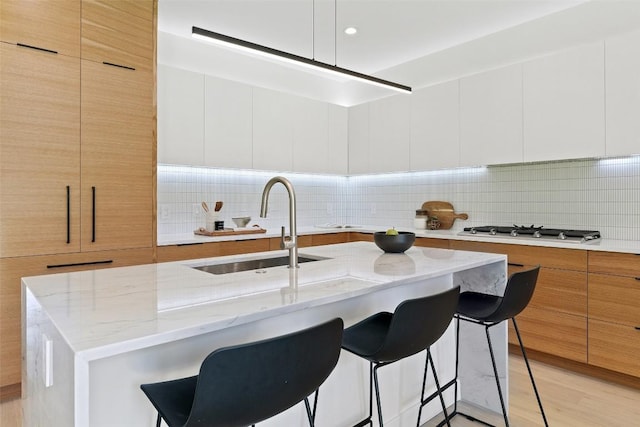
(253, 264)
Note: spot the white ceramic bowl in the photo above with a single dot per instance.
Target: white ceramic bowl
(241, 221)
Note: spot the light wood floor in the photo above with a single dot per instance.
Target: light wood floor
(569, 400)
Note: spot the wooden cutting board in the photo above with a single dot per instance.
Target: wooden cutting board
(444, 212)
(229, 232)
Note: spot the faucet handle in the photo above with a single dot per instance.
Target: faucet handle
(283, 244)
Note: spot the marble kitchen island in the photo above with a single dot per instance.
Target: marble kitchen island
(91, 338)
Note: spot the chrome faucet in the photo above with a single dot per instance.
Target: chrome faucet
(292, 242)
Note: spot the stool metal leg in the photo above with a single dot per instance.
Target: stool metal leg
(526, 361)
(375, 377)
(495, 372)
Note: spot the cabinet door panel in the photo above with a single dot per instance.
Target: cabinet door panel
(390, 134)
(491, 117)
(623, 94)
(119, 32)
(614, 347)
(47, 24)
(310, 136)
(117, 140)
(272, 130)
(550, 332)
(39, 152)
(227, 124)
(435, 127)
(564, 105)
(358, 141)
(614, 299)
(562, 291)
(180, 117)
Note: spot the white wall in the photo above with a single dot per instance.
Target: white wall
(599, 195)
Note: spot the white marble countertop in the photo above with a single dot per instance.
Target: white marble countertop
(102, 313)
(607, 245)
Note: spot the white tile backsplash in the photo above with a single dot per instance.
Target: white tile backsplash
(599, 195)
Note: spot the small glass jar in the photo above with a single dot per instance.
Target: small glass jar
(420, 221)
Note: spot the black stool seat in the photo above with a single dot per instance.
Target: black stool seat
(479, 306)
(245, 384)
(385, 338)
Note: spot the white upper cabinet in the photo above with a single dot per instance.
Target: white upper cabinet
(180, 116)
(435, 127)
(623, 94)
(338, 154)
(310, 123)
(227, 124)
(359, 139)
(390, 134)
(273, 113)
(491, 117)
(564, 105)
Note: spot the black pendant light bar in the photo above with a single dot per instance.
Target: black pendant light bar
(228, 41)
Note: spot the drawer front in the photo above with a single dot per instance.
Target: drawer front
(614, 347)
(188, 251)
(427, 242)
(360, 237)
(329, 239)
(614, 299)
(565, 259)
(303, 242)
(559, 334)
(561, 290)
(614, 263)
(11, 272)
(244, 246)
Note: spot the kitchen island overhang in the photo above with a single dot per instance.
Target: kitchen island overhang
(110, 330)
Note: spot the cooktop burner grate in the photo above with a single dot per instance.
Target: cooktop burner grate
(534, 232)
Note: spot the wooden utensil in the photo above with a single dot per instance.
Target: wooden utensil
(444, 212)
(218, 206)
(205, 206)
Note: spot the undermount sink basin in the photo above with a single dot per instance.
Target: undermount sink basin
(253, 264)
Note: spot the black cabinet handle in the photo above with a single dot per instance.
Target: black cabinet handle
(68, 214)
(118, 65)
(189, 244)
(637, 278)
(79, 264)
(513, 264)
(93, 214)
(637, 328)
(37, 48)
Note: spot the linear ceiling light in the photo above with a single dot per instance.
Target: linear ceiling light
(245, 46)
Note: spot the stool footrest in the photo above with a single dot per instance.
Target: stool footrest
(363, 422)
(467, 416)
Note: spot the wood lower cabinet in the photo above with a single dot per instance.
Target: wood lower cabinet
(11, 272)
(329, 239)
(614, 317)
(555, 321)
(187, 251)
(360, 237)
(428, 242)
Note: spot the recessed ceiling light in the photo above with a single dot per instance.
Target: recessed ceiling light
(350, 31)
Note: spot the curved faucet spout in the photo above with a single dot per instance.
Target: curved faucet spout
(292, 242)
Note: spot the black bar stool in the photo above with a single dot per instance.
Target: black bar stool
(384, 338)
(491, 310)
(245, 384)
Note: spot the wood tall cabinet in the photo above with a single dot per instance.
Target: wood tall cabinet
(77, 150)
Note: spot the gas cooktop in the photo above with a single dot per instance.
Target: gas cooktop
(533, 232)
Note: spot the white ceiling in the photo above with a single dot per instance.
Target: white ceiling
(413, 42)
